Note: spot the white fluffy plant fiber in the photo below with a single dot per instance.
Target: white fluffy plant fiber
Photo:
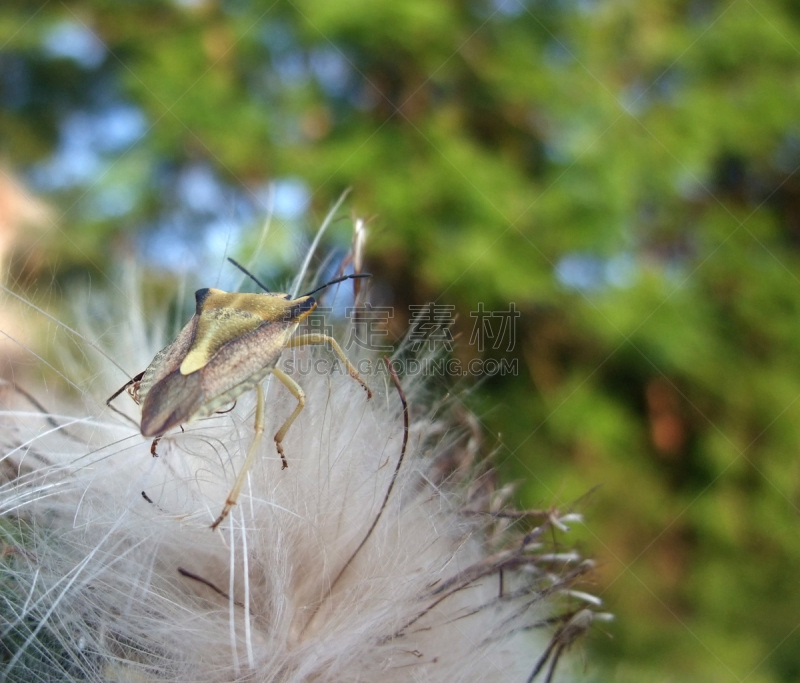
(101, 582)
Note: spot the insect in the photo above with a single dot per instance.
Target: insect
(232, 342)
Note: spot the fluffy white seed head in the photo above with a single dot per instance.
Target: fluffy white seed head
(109, 571)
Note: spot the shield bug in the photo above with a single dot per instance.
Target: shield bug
(232, 342)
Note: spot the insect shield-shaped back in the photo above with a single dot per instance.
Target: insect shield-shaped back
(231, 343)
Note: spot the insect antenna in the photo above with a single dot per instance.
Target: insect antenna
(337, 280)
(250, 275)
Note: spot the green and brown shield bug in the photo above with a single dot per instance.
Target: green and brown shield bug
(232, 342)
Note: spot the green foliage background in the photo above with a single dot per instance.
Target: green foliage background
(625, 172)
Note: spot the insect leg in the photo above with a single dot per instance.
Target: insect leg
(132, 382)
(304, 339)
(123, 387)
(233, 496)
(299, 394)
